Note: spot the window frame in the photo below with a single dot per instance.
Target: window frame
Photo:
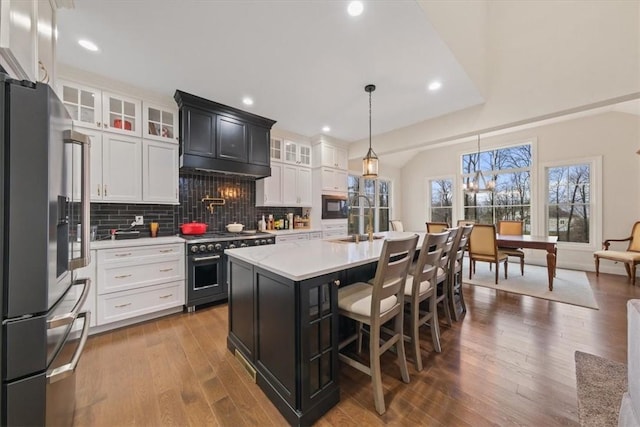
(454, 197)
(595, 222)
(362, 208)
(533, 142)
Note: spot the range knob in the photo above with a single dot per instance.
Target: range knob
(263, 242)
(218, 246)
(269, 241)
(232, 246)
(210, 247)
(194, 249)
(257, 242)
(202, 248)
(243, 245)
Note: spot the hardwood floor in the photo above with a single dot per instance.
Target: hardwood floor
(509, 361)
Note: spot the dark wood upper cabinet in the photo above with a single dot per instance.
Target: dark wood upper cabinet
(231, 141)
(259, 140)
(218, 138)
(199, 132)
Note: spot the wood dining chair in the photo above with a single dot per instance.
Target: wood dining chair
(376, 305)
(512, 228)
(420, 287)
(443, 277)
(483, 246)
(396, 225)
(436, 227)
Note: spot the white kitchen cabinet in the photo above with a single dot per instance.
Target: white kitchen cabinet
(84, 103)
(121, 168)
(276, 150)
(160, 123)
(333, 157)
(160, 173)
(269, 190)
(296, 237)
(297, 153)
(296, 186)
(134, 281)
(88, 272)
(121, 114)
(18, 38)
(334, 180)
(315, 235)
(334, 230)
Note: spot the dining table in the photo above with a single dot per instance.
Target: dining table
(524, 241)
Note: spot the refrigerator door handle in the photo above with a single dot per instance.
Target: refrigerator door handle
(68, 369)
(70, 317)
(75, 137)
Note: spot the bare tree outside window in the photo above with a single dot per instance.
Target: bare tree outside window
(441, 205)
(510, 169)
(569, 200)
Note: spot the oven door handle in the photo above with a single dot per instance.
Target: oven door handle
(206, 258)
(67, 370)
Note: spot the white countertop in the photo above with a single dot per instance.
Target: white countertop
(142, 241)
(301, 260)
(294, 231)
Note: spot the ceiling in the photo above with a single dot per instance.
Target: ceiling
(305, 63)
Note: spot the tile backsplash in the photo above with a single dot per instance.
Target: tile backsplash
(238, 192)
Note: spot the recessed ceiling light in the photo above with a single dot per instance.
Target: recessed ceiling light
(326, 129)
(355, 8)
(247, 101)
(435, 85)
(88, 45)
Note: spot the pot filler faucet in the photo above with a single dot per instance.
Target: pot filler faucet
(369, 215)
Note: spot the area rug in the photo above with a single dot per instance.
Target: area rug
(600, 385)
(569, 286)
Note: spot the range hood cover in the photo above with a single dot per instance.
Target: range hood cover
(211, 163)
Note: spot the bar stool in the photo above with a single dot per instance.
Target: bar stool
(374, 306)
(421, 286)
(443, 276)
(455, 271)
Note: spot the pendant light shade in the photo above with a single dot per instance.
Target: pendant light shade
(370, 161)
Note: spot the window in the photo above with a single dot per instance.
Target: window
(510, 169)
(378, 192)
(569, 202)
(441, 200)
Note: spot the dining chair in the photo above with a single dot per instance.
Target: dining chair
(483, 246)
(455, 271)
(436, 227)
(376, 305)
(630, 257)
(443, 277)
(396, 225)
(512, 228)
(421, 286)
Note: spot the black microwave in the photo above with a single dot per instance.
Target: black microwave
(334, 207)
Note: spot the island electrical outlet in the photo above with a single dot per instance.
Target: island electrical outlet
(139, 220)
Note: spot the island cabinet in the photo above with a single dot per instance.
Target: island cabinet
(287, 332)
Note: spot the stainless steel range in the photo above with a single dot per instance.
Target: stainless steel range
(206, 263)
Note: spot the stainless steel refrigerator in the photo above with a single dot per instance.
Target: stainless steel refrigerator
(44, 170)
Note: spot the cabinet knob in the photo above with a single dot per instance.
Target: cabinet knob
(98, 189)
(105, 189)
(98, 124)
(106, 126)
(336, 282)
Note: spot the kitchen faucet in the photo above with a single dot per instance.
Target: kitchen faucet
(369, 214)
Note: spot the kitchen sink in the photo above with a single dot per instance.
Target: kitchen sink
(352, 238)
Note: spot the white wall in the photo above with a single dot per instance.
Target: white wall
(613, 135)
(542, 58)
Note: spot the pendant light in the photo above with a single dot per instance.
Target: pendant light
(473, 186)
(370, 161)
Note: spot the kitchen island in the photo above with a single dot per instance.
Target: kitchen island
(283, 317)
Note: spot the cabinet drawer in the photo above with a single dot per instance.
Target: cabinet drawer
(315, 235)
(122, 254)
(127, 304)
(292, 237)
(118, 277)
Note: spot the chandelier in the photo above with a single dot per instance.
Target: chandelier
(370, 161)
(478, 183)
